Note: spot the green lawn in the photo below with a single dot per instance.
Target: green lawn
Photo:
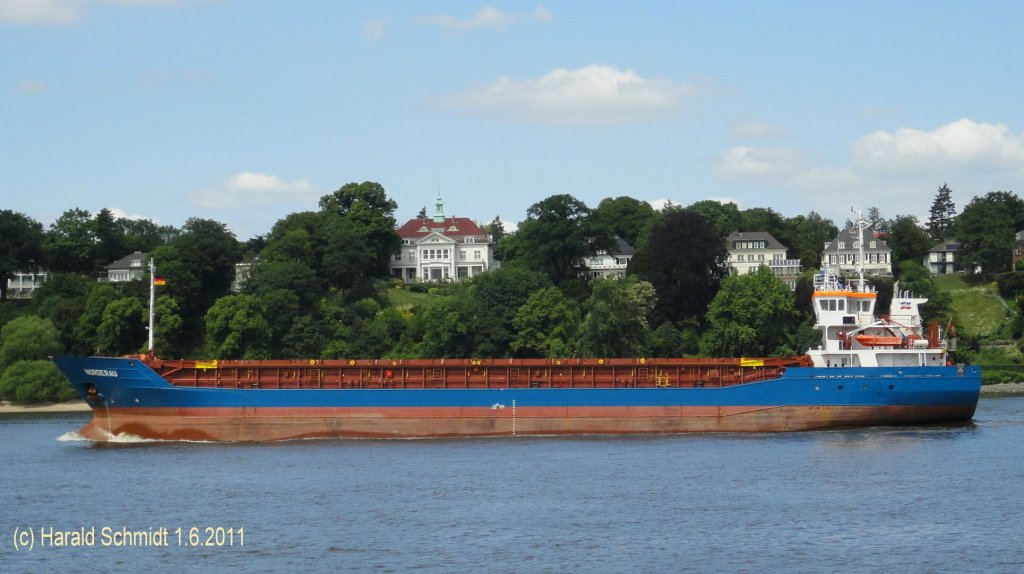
(947, 283)
(405, 297)
(978, 311)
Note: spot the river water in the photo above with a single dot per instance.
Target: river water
(920, 499)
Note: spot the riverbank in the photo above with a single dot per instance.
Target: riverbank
(70, 407)
(1001, 389)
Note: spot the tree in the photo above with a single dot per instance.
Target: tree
(199, 267)
(624, 217)
(752, 315)
(494, 299)
(685, 260)
(942, 214)
(111, 243)
(62, 300)
(805, 236)
(70, 244)
(35, 381)
(556, 235)
(761, 219)
(725, 217)
(907, 240)
(359, 229)
(496, 229)
(546, 325)
(86, 341)
(167, 340)
(986, 230)
(21, 238)
(236, 328)
(615, 323)
(444, 323)
(297, 237)
(917, 280)
(143, 235)
(27, 338)
(122, 330)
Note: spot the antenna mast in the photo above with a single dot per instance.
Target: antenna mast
(152, 301)
(861, 224)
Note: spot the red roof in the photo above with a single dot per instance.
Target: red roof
(418, 228)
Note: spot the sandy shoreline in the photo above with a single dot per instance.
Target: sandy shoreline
(80, 406)
(71, 407)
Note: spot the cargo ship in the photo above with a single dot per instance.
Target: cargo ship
(869, 370)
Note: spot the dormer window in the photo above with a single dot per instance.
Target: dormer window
(874, 244)
(423, 230)
(842, 245)
(453, 228)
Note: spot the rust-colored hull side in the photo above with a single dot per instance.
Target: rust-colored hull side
(246, 424)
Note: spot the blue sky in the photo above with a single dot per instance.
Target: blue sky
(246, 111)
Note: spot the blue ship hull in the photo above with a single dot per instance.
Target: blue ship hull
(129, 397)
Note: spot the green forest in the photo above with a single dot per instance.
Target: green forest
(319, 286)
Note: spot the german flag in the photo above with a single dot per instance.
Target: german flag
(159, 281)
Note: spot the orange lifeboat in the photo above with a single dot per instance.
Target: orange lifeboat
(879, 341)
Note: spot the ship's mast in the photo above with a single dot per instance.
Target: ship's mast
(152, 301)
(861, 224)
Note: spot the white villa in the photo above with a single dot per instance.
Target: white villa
(942, 259)
(749, 250)
(842, 255)
(442, 248)
(609, 262)
(24, 283)
(128, 268)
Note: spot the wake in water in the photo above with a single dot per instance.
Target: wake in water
(120, 438)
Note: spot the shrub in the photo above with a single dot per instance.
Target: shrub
(35, 381)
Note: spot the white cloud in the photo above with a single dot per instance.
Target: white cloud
(374, 29)
(892, 171)
(962, 144)
(486, 18)
(122, 214)
(247, 188)
(592, 95)
(59, 12)
(32, 87)
(757, 130)
(766, 164)
(47, 12)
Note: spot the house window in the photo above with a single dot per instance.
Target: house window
(476, 254)
(842, 245)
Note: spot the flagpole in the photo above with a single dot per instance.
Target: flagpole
(152, 300)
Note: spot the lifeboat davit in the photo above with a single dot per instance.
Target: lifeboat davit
(879, 341)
